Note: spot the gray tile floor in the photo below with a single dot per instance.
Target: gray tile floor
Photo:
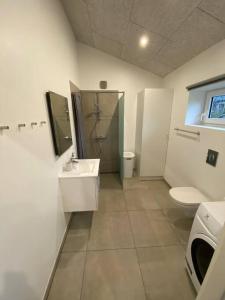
(132, 248)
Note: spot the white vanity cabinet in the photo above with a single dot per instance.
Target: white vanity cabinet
(80, 186)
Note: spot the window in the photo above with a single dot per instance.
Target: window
(215, 107)
(206, 105)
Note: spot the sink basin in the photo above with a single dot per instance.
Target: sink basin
(84, 168)
(80, 186)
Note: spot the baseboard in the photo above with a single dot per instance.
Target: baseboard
(128, 181)
(57, 260)
(167, 182)
(149, 178)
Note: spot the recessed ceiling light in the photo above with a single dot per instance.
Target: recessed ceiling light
(144, 40)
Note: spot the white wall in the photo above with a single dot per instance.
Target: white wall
(95, 65)
(186, 157)
(37, 54)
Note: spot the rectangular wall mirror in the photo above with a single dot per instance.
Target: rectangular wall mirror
(60, 122)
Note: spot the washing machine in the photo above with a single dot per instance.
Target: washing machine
(204, 237)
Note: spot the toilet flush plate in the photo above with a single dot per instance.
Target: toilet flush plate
(212, 157)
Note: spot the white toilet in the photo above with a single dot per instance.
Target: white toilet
(188, 198)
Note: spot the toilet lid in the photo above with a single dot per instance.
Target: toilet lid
(187, 196)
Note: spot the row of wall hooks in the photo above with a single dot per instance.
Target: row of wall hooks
(21, 125)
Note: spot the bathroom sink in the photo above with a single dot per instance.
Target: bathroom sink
(80, 186)
(84, 168)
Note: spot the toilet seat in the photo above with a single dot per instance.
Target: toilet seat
(187, 196)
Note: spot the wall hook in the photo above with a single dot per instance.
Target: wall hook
(43, 122)
(4, 127)
(33, 124)
(21, 125)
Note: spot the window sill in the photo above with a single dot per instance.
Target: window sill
(208, 126)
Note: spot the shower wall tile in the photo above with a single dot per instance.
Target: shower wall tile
(115, 149)
(88, 101)
(92, 149)
(89, 128)
(111, 166)
(106, 126)
(103, 127)
(106, 151)
(108, 104)
(109, 150)
(115, 128)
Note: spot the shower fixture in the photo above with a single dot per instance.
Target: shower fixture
(103, 127)
(100, 138)
(98, 111)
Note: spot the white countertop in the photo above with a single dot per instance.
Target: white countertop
(84, 168)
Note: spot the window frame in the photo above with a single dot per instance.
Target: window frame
(209, 96)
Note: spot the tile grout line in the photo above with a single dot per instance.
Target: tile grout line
(85, 263)
(170, 222)
(82, 285)
(176, 234)
(174, 231)
(109, 249)
(172, 228)
(142, 278)
(52, 276)
(126, 248)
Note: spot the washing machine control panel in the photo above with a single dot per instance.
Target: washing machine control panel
(209, 220)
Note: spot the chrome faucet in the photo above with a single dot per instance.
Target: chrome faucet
(74, 159)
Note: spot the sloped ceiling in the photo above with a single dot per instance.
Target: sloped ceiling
(177, 29)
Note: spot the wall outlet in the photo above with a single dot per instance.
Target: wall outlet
(212, 157)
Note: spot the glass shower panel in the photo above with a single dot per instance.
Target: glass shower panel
(107, 132)
(121, 134)
(101, 128)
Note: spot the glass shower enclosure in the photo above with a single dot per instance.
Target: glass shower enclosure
(99, 123)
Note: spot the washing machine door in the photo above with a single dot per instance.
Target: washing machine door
(202, 250)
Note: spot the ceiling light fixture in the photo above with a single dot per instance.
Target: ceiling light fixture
(144, 40)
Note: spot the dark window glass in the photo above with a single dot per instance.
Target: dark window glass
(201, 253)
(217, 107)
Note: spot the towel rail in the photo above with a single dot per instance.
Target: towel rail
(187, 131)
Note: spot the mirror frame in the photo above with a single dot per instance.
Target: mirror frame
(52, 124)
